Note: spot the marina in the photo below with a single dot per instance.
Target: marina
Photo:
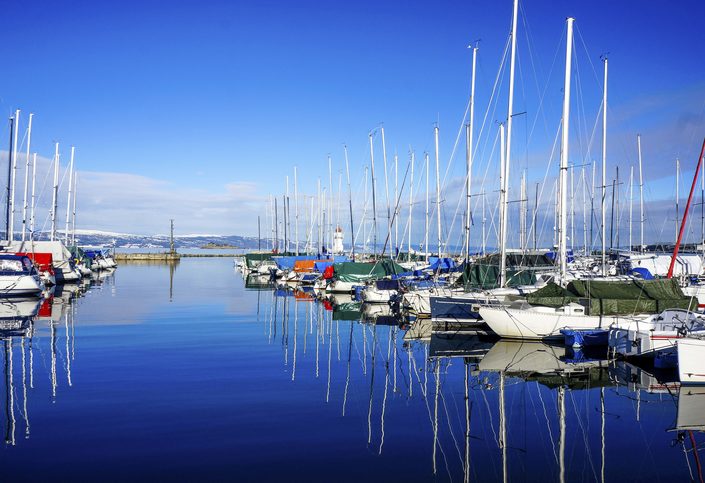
(147, 354)
(353, 241)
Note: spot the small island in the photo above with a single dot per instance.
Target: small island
(217, 246)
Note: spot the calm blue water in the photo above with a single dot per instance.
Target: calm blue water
(184, 374)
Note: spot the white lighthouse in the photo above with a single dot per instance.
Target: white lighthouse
(338, 241)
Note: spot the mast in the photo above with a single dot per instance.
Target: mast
(522, 212)
(468, 155)
(468, 168)
(484, 219)
(34, 198)
(502, 207)
(604, 170)
(330, 205)
(592, 208)
(425, 246)
(275, 222)
(572, 207)
(352, 229)
(287, 217)
(641, 197)
(631, 203)
(68, 201)
(395, 220)
(618, 215)
(26, 178)
(13, 176)
(612, 215)
(508, 150)
(374, 199)
(411, 200)
(386, 183)
(296, 213)
(563, 174)
(286, 241)
(9, 178)
(309, 240)
(55, 192)
(364, 216)
(678, 168)
(585, 212)
(438, 193)
(319, 219)
(685, 214)
(73, 219)
(536, 216)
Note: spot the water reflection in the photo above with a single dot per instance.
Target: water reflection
(23, 324)
(486, 409)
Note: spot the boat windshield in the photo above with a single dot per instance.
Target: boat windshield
(14, 265)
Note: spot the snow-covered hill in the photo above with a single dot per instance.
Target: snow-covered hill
(97, 238)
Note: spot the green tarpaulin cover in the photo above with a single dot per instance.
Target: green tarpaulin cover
(521, 270)
(602, 297)
(361, 272)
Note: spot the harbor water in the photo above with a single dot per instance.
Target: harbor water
(191, 371)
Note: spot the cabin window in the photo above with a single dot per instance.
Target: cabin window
(10, 266)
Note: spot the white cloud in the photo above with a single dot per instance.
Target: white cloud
(139, 204)
(132, 203)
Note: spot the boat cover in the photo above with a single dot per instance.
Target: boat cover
(607, 297)
(388, 284)
(254, 259)
(287, 263)
(486, 277)
(521, 269)
(360, 272)
(441, 264)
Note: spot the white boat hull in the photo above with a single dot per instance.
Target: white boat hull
(537, 324)
(339, 286)
(20, 285)
(654, 333)
(66, 274)
(372, 295)
(417, 302)
(691, 360)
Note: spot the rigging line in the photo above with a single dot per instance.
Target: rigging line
(455, 145)
(543, 184)
(577, 126)
(598, 80)
(487, 167)
(494, 99)
(542, 95)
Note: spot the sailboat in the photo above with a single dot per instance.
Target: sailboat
(583, 305)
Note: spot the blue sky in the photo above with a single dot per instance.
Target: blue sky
(198, 110)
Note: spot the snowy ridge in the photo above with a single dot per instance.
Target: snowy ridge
(125, 240)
